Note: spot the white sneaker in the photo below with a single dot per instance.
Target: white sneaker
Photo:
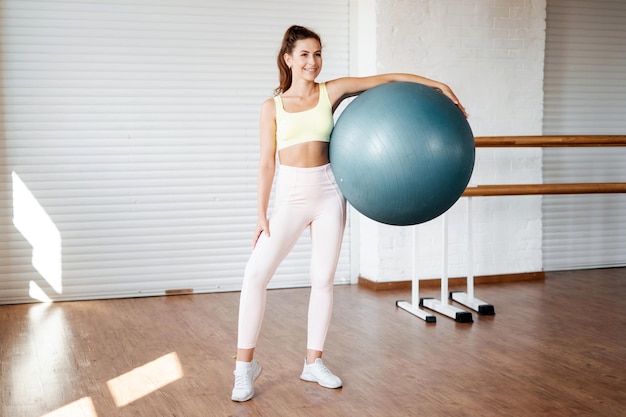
(244, 382)
(318, 372)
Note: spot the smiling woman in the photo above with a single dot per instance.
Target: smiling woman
(296, 124)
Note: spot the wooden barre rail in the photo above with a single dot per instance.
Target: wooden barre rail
(549, 141)
(537, 189)
(543, 142)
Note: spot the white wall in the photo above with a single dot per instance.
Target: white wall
(491, 53)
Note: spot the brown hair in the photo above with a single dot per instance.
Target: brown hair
(292, 35)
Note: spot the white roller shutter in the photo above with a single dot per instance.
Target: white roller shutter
(585, 93)
(130, 142)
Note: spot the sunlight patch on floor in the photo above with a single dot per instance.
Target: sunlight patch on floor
(81, 408)
(145, 379)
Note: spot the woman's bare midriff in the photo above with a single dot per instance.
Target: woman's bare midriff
(305, 155)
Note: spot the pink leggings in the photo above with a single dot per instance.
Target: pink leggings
(304, 197)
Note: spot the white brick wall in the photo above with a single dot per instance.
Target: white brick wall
(491, 53)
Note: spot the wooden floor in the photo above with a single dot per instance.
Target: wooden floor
(555, 348)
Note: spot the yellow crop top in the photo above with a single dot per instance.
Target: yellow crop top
(305, 126)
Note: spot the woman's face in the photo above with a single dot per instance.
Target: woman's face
(306, 59)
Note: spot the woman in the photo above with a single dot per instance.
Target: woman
(297, 123)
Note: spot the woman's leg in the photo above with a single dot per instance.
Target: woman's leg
(267, 255)
(285, 229)
(327, 226)
(326, 237)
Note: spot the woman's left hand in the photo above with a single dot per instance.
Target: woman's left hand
(447, 91)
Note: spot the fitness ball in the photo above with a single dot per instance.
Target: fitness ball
(402, 153)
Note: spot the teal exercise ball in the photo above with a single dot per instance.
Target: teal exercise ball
(402, 153)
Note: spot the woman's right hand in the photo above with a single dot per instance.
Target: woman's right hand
(262, 226)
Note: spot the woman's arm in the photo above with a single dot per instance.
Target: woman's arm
(267, 167)
(342, 88)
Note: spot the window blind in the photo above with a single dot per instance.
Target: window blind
(130, 142)
(585, 93)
